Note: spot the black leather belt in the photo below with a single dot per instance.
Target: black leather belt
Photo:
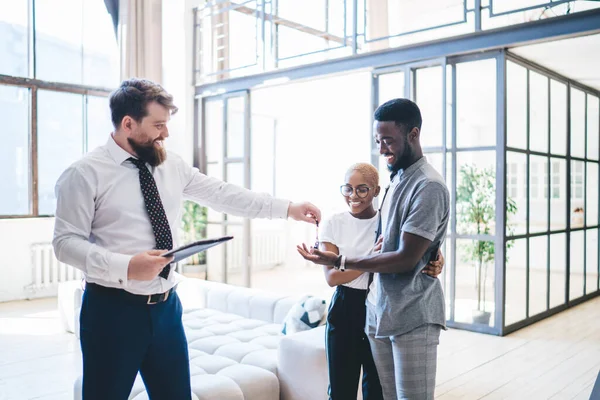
(147, 299)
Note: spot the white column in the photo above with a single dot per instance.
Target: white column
(377, 24)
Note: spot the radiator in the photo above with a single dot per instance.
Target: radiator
(268, 250)
(47, 271)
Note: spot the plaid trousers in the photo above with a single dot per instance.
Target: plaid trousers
(406, 363)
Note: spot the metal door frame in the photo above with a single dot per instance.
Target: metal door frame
(200, 161)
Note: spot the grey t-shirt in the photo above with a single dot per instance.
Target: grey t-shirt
(420, 205)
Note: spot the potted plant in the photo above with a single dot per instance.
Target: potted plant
(475, 210)
(577, 217)
(193, 227)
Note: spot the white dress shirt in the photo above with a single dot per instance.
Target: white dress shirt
(101, 219)
(353, 237)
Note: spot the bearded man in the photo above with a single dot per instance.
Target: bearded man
(117, 212)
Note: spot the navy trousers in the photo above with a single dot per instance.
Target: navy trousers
(348, 347)
(121, 336)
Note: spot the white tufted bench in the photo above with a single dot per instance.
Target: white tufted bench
(233, 335)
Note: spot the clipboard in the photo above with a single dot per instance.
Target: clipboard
(196, 247)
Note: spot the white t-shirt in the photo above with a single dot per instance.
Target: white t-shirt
(354, 237)
(385, 211)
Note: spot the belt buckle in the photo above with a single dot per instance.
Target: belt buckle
(160, 298)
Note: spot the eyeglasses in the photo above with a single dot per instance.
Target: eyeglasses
(361, 191)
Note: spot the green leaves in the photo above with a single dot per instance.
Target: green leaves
(193, 224)
(476, 200)
(476, 215)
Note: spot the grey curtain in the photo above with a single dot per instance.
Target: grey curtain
(112, 6)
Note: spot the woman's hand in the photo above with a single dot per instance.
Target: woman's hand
(434, 268)
(317, 256)
(378, 245)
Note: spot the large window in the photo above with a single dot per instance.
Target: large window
(14, 152)
(14, 34)
(60, 134)
(269, 141)
(241, 38)
(74, 42)
(552, 175)
(475, 188)
(276, 129)
(53, 119)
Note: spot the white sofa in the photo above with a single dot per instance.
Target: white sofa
(237, 350)
(302, 368)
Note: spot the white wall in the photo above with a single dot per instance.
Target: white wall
(15, 248)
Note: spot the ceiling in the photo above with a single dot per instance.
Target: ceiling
(576, 58)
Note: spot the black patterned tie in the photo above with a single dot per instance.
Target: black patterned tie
(156, 211)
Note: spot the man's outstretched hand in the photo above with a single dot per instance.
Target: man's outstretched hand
(304, 212)
(317, 256)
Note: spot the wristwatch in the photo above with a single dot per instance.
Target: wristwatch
(340, 263)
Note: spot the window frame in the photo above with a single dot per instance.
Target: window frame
(33, 85)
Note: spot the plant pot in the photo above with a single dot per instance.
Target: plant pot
(577, 218)
(481, 317)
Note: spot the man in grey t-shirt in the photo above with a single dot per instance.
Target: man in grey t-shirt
(406, 309)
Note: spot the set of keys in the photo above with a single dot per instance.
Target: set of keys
(316, 246)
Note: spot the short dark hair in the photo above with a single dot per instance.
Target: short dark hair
(132, 98)
(403, 112)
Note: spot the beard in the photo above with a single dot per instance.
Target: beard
(402, 159)
(147, 152)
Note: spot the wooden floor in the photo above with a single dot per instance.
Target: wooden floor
(37, 359)
(558, 358)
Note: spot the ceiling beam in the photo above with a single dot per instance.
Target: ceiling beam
(291, 24)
